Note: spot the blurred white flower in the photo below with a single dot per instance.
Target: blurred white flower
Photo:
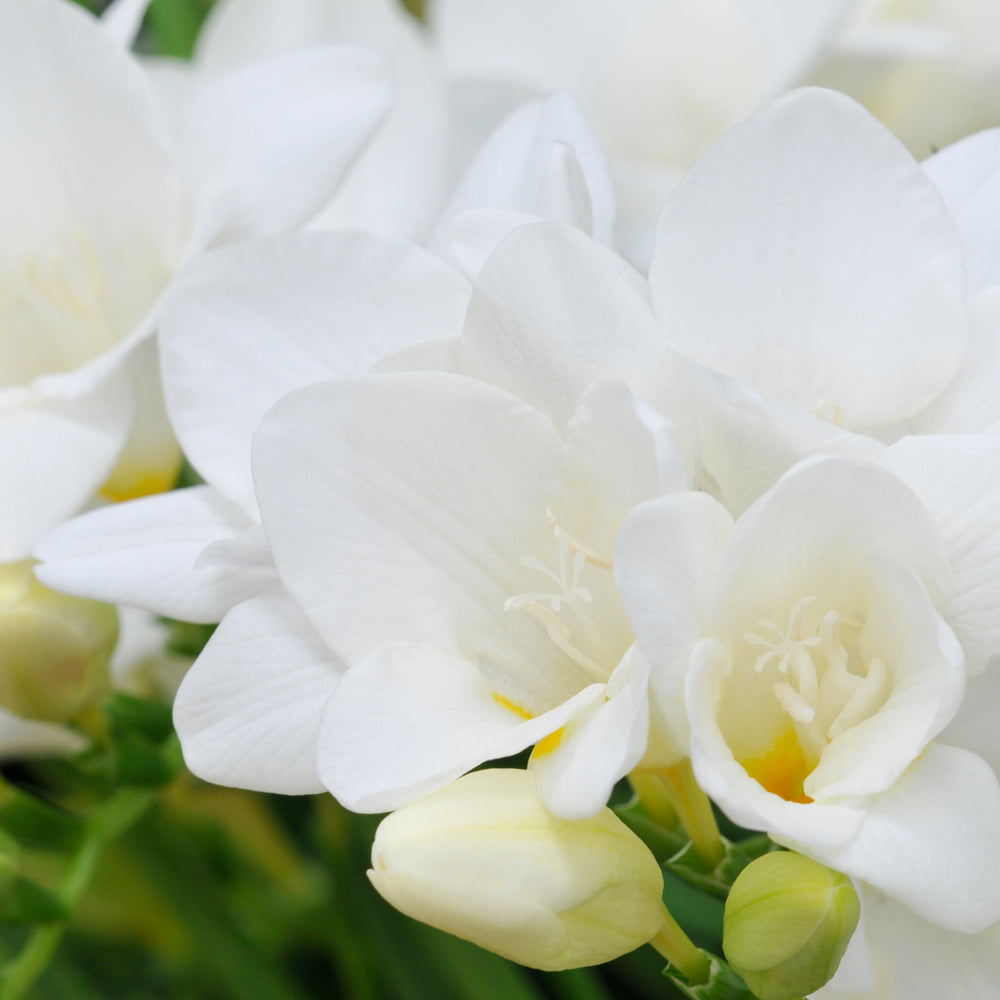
(104, 202)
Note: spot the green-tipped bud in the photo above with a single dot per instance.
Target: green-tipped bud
(787, 924)
(54, 649)
(484, 860)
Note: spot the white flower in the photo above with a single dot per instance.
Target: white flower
(817, 647)
(483, 859)
(809, 267)
(104, 202)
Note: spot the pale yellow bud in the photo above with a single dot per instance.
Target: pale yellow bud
(788, 921)
(484, 860)
(54, 649)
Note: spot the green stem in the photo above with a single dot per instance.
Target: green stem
(655, 799)
(680, 951)
(106, 823)
(695, 811)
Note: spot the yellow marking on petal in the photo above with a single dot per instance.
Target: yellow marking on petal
(130, 479)
(508, 704)
(782, 770)
(548, 743)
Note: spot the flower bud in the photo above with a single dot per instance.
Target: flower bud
(787, 924)
(484, 860)
(54, 649)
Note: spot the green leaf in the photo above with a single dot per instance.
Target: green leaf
(26, 902)
(140, 763)
(663, 843)
(723, 983)
(151, 719)
(33, 822)
(186, 639)
(173, 25)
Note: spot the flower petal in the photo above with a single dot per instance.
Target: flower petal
(278, 314)
(552, 312)
(248, 712)
(957, 477)
(931, 841)
(145, 553)
(577, 767)
(782, 261)
(664, 564)
(965, 175)
(412, 717)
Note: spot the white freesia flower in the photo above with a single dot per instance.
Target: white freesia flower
(104, 202)
(809, 266)
(272, 316)
(817, 646)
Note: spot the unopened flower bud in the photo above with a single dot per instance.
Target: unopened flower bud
(788, 921)
(54, 649)
(484, 860)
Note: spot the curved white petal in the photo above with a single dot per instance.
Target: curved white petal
(55, 454)
(577, 766)
(543, 160)
(268, 144)
(931, 841)
(248, 712)
(906, 958)
(402, 177)
(971, 402)
(146, 553)
(965, 174)
(122, 19)
(412, 717)
(21, 738)
(249, 323)
(958, 478)
(805, 254)
(552, 312)
(664, 565)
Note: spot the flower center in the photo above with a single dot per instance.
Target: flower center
(822, 685)
(565, 612)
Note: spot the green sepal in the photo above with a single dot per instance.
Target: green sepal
(688, 865)
(32, 822)
(26, 902)
(723, 983)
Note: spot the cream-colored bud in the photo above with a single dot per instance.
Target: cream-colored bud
(54, 649)
(787, 924)
(484, 860)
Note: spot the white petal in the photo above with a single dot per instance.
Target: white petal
(664, 565)
(971, 402)
(824, 517)
(412, 717)
(543, 160)
(435, 488)
(21, 738)
(145, 553)
(552, 312)
(55, 454)
(965, 173)
(270, 143)
(931, 841)
(782, 261)
(122, 19)
(151, 458)
(957, 478)
(248, 712)
(910, 959)
(250, 323)
(577, 767)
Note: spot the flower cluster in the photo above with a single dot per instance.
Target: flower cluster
(620, 406)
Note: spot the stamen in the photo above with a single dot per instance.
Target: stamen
(865, 701)
(793, 703)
